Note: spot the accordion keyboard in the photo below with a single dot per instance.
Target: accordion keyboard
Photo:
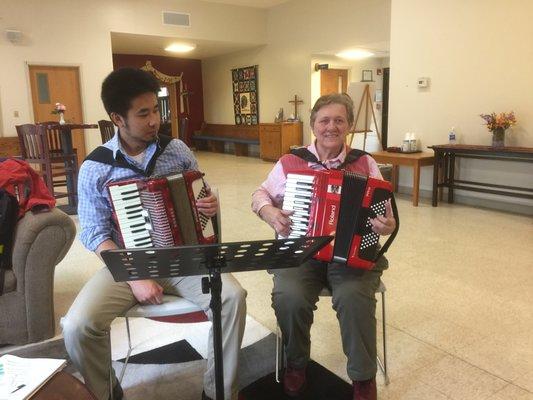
(132, 218)
(298, 198)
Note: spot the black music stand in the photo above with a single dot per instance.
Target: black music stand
(211, 259)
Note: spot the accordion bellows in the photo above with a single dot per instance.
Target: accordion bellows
(161, 211)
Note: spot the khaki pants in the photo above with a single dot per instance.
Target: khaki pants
(86, 327)
(294, 299)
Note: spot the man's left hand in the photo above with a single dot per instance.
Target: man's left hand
(384, 224)
(208, 205)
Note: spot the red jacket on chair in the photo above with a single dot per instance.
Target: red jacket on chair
(19, 179)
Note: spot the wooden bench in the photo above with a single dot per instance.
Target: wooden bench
(212, 137)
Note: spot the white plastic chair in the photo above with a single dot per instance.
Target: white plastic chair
(173, 309)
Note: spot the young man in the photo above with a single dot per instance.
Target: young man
(130, 98)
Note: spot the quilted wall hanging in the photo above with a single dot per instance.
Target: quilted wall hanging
(245, 98)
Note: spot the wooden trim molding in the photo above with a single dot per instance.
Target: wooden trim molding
(9, 146)
(168, 79)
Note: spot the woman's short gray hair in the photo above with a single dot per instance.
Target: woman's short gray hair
(333, 98)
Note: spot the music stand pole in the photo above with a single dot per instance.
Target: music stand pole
(214, 285)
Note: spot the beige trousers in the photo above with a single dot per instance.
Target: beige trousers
(87, 323)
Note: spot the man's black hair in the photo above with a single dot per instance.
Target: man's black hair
(123, 85)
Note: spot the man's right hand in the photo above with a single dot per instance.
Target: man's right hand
(277, 219)
(147, 291)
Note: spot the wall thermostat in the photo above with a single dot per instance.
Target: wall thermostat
(423, 82)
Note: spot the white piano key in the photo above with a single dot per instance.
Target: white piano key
(122, 204)
(299, 186)
(300, 177)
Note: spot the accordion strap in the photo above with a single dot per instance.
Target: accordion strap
(352, 156)
(391, 237)
(104, 155)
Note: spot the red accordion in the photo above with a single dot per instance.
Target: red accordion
(161, 211)
(339, 203)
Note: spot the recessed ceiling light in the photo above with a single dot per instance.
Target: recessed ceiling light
(355, 54)
(180, 47)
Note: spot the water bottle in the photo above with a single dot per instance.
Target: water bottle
(406, 147)
(451, 136)
(413, 143)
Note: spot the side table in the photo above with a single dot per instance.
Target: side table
(415, 160)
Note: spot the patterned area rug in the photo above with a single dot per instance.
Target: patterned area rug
(175, 370)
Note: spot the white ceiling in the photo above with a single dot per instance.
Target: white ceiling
(380, 50)
(127, 43)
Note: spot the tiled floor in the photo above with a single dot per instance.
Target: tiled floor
(459, 298)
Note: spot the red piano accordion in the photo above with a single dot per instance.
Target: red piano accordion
(161, 211)
(339, 203)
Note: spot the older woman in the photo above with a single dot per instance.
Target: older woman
(296, 290)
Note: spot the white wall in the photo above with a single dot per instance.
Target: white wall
(478, 56)
(355, 68)
(296, 30)
(62, 32)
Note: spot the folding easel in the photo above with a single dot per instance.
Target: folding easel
(366, 105)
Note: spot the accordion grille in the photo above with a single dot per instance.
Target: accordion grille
(161, 232)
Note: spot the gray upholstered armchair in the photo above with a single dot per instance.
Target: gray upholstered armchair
(27, 304)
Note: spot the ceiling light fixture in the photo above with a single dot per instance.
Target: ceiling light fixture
(356, 54)
(180, 48)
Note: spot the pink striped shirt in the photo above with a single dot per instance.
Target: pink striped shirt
(272, 190)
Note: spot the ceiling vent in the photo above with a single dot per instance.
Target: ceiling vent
(176, 18)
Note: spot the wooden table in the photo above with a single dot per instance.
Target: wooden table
(63, 386)
(444, 169)
(415, 160)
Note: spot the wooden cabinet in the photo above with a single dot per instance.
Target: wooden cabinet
(276, 139)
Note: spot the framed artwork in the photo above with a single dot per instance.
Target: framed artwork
(367, 75)
(245, 96)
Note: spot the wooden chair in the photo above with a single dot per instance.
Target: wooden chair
(183, 126)
(41, 144)
(107, 130)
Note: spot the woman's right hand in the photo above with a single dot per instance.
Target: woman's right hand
(278, 219)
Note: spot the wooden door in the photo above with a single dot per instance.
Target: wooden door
(333, 81)
(54, 84)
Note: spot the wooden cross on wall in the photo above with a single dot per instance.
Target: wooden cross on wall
(296, 101)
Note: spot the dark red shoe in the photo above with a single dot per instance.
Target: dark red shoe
(294, 381)
(365, 390)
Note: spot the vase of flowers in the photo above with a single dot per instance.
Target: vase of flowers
(60, 109)
(498, 137)
(497, 124)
